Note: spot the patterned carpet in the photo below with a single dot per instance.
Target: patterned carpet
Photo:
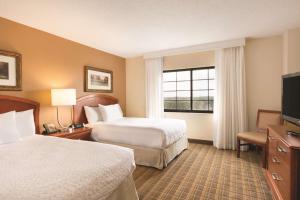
(203, 172)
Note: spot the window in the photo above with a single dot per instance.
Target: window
(189, 90)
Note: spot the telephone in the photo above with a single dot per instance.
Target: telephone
(50, 128)
(75, 126)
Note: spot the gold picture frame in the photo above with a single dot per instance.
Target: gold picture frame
(98, 80)
(10, 71)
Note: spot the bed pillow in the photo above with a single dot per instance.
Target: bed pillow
(25, 123)
(92, 114)
(9, 132)
(111, 112)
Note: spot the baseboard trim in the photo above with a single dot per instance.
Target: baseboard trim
(198, 141)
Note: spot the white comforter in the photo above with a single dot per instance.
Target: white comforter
(41, 168)
(140, 131)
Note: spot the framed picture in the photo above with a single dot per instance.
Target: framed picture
(97, 80)
(10, 71)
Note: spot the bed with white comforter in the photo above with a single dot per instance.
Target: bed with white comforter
(41, 167)
(155, 141)
(145, 132)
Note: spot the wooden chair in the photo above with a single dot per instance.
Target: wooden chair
(259, 137)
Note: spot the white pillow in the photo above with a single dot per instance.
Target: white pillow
(25, 123)
(92, 114)
(111, 112)
(9, 132)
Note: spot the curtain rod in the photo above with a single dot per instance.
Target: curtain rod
(197, 48)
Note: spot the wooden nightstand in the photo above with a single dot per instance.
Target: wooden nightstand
(77, 134)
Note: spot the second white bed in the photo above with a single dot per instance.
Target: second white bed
(155, 142)
(140, 131)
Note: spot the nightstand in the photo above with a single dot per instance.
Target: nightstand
(77, 134)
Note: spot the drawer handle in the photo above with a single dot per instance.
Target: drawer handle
(281, 149)
(275, 160)
(276, 177)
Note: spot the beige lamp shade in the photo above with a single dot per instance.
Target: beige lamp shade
(63, 97)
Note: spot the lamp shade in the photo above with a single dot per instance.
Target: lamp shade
(63, 97)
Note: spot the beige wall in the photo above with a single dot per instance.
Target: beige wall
(291, 62)
(292, 50)
(263, 75)
(53, 62)
(135, 87)
(202, 59)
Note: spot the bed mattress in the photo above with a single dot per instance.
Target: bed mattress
(42, 167)
(140, 131)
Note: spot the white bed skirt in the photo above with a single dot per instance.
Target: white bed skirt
(126, 191)
(152, 157)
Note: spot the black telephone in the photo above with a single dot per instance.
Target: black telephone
(75, 126)
(50, 128)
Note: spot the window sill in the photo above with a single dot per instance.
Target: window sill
(189, 111)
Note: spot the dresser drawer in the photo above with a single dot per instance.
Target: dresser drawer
(283, 174)
(283, 152)
(280, 174)
(282, 180)
(279, 158)
(279, 152)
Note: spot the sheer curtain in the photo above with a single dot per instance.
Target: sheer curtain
(154, 93)
(230, 99)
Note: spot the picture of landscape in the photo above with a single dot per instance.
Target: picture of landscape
(10, 71)
(99, 80)
(4, 74)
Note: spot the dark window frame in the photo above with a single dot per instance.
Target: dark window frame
(191, 90)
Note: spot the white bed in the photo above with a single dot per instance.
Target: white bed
(140, 131)
(41, 167)
(35, 167)
(155, 142)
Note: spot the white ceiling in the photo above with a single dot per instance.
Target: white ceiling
(133, 27)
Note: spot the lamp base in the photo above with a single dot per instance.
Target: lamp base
(61, 127)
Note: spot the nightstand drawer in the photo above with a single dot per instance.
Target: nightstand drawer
(79, 136)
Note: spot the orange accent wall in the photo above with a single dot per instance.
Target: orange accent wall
(49, 62)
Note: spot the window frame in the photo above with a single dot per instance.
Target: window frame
(191, 90)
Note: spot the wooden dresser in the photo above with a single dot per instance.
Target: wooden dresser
(283, 166)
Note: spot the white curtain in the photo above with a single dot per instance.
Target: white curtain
(230, 99)
(154, 93)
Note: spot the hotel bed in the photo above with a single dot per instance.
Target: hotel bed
(44, 167)
(155, 142)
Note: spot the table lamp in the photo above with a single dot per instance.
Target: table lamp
(63, 97)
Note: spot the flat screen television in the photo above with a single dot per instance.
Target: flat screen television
(291, 98)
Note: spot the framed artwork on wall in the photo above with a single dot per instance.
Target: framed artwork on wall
(97, 80)
(10, 71)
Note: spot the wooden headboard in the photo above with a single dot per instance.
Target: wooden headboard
(10, 103)
(93, 101)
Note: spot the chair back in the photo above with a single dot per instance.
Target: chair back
(266, 118)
